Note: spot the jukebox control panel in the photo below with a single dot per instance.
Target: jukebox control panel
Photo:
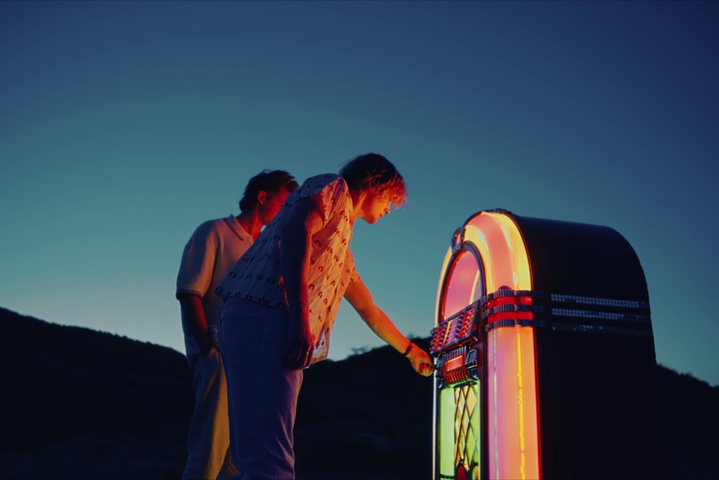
(454, 343)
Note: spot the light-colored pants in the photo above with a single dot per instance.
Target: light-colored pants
(262, 393)
(208, 441)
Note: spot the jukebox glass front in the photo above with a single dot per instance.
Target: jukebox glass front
(458, 433)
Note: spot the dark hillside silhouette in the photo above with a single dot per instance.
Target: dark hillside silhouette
(369, 415)
(690, 410)
(80, 404)
(75, 399)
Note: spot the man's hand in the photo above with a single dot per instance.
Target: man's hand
(194, 321)
(305, 218)
(421, 361)
(300, 347)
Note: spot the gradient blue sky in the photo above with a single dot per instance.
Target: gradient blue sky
(125, 125)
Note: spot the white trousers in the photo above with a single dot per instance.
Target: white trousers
(208, 441)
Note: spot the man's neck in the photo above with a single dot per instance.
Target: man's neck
(250, 222)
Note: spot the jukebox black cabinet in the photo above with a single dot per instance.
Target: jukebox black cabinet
(545, 355)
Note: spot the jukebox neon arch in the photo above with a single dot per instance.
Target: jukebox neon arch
(544, 353)
(487, 256)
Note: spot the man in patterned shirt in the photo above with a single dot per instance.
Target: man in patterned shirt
(281, 299)
(213, 248)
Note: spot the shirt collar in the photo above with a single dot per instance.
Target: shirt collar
(235, 226)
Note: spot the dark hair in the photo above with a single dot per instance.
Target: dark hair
(271, 181)
(374, 170)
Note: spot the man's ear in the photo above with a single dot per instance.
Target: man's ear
(261, 197)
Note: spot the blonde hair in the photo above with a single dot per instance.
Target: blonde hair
(373, 170)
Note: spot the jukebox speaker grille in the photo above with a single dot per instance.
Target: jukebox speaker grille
(467, 429)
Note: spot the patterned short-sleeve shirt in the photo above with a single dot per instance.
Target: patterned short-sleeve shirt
(256, 276)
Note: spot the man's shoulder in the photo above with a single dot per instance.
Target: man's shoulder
(322, 179)
(213, 226)
(318, 183)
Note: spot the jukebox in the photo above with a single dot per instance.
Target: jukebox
(545, 363)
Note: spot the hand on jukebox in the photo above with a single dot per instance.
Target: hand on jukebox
(420, 360)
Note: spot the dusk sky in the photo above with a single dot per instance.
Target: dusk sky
(124, 125)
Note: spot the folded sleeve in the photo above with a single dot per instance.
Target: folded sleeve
(197, 264)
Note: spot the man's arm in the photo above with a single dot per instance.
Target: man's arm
(194, 322)
(295, 248)
(361, 300)
(193, 281)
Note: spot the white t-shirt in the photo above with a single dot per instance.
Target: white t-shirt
(212, 250)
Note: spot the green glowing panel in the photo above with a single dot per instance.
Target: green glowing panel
(446, 433)
(459, 431)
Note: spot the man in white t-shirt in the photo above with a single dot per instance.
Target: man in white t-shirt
(212, 250)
